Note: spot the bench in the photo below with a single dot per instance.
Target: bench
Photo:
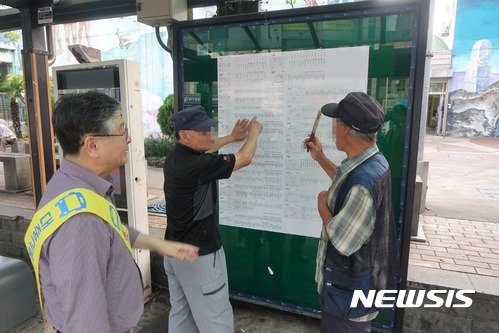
(18, 146)
(17, 171)
(18, 300)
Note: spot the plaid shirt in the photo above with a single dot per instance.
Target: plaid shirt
(354, 223)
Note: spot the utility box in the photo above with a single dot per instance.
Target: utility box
(161, 12)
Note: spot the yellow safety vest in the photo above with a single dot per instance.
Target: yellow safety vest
(51, 216)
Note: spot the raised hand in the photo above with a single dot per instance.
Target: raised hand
(315, 147)
(240, 130)
(254, 126)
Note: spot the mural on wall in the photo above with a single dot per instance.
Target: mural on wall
(474, 87)
(124, 38)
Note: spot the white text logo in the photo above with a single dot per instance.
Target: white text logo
(413, 298)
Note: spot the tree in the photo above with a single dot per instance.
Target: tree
(10, 37)
(165, 112)
(13, 86)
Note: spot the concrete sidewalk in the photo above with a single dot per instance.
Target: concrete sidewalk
(461, 220)
(463, 180)
(461, 230)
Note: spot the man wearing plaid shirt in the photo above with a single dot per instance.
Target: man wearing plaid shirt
(357, 248)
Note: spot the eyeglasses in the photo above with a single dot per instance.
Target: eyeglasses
(124, 134)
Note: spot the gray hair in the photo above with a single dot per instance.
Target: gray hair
(78, 114)
(362, 136)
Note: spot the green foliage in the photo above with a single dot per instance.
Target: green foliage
(10, 36)
(165, 113)
(158, 147)
(13, 86)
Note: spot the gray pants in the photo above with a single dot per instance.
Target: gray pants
(199, 295)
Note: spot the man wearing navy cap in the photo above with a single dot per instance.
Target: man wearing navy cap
(199, 292)
(357, 248)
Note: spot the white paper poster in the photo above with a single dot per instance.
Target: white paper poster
(278, 191)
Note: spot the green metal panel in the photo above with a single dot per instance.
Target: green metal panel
(280, 268)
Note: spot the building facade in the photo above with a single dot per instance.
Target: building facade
(472, 108)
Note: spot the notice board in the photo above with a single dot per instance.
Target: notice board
(278, 191)
(268, 210)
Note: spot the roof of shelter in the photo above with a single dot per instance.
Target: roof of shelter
(65, 11)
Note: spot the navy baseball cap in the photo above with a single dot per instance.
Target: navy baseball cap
(193, 118)
(358, 111)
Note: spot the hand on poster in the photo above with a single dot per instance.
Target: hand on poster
(240, 130)
(254, 126)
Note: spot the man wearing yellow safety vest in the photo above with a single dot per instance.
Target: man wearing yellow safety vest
(80, 250)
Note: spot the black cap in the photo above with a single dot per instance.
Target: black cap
(193, 118)
(358, 111)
